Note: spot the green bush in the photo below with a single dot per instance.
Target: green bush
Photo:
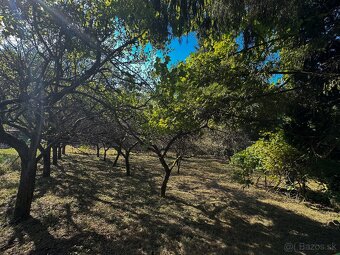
(274, 159)
(247, 163)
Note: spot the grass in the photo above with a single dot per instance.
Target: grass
(9, 160)
(89, 207)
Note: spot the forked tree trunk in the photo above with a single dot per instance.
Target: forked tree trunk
(47, 162)
(55, 155)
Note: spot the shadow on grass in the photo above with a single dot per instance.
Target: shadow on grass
(96, 209)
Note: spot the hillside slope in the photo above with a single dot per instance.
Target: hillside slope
(89, 207)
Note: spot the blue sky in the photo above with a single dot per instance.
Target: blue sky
(178, 49)
(181, 48)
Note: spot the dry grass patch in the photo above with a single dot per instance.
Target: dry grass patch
(89, 207)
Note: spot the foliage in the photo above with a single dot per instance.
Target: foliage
(273, 157)
(248, 163)
(217, 84)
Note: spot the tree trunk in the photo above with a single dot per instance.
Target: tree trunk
(28, 170)
(105, 153)
(47, 162)
(166, 175)
(127, 164)
(116, 159)
(165, 182)
(63, 150)
(98, 150)
(27, 178)
(59, 151)
(55, 155)
(26, 188)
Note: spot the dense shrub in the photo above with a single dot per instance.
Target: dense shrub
(272, 158)
(248, 163)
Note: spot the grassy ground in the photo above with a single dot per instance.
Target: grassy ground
(9, 160)
(89, 207)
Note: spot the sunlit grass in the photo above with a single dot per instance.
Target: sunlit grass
(7, 155)
(9, 160)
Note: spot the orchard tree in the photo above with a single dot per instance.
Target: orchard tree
(156, 119)
(48, 50)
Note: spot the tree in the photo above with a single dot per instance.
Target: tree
(36, 72)
(156, 120)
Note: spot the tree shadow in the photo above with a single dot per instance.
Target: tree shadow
(105, 212)
(262, 229)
